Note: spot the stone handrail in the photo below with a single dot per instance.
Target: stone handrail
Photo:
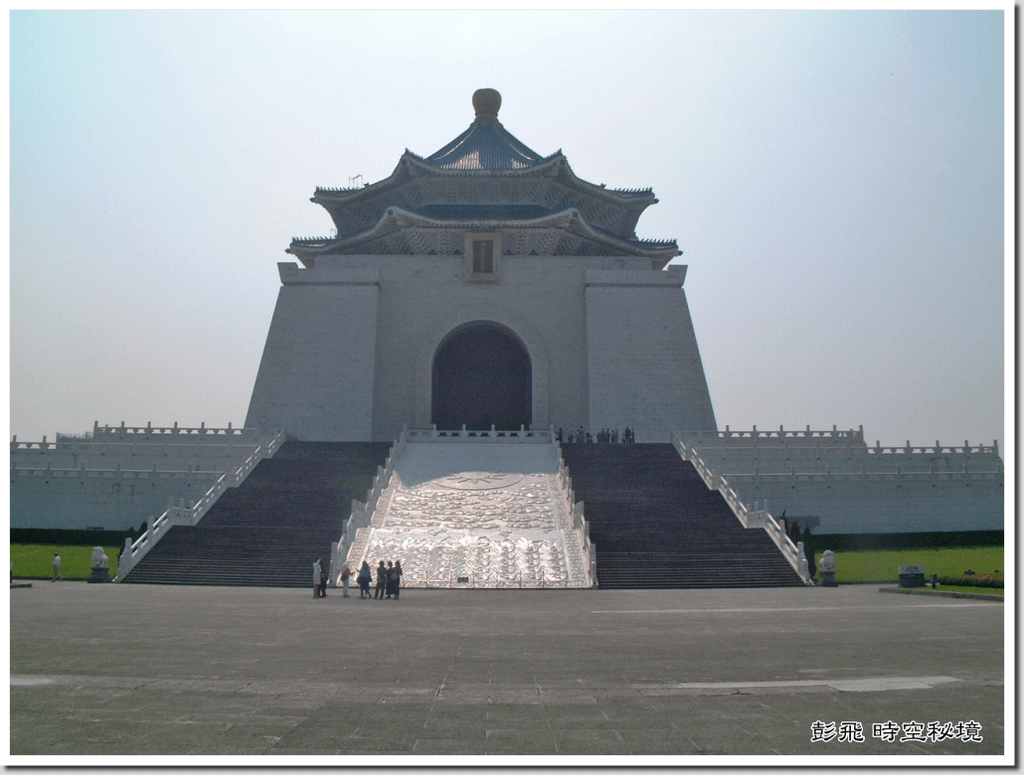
(781, 434)
(492, 435)
(122, 431)
(20, 446)
(102, 436)
(133, 552)
(803, 437)
(793, 478)
(191, 474)
(362, 512)
(759, 516)
(577, 512)
(938, 449)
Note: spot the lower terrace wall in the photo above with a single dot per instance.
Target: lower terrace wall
(833, 482)
(111, 500)
(170, 449)
(731, 452)
(879, 504)
(117, 477)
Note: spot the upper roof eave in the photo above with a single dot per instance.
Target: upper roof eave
(411, 164)
(557, 160)
(639, 198)
(569, 219)
(336, 195)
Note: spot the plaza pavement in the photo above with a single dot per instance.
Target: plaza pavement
(111, 670)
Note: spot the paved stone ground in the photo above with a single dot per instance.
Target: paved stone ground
(108, 670)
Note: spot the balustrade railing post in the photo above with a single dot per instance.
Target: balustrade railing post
(805, 569)
(124, 562)
(332, 568)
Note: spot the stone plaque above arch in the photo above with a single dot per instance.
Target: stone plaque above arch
(461, 317)
(483, 256)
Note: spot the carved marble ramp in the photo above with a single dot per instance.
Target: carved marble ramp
(477, 515)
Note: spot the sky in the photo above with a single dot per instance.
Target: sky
(836, 180)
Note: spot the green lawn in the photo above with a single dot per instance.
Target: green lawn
(883, 566)
(36, 560)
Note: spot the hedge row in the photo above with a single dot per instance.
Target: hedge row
(27, 535)
(967, 581)
(882, 541)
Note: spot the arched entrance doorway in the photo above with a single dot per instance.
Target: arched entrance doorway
(482, 377)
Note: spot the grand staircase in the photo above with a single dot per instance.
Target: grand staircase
(268, 531)
(654, 522)
(656, 525)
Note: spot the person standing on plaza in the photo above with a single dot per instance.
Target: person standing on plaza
(364, 580)
(56, 567)
(389, 586)
(398, 577)
(324, 574)
(316, 578)
(382, 580)
(346, 576)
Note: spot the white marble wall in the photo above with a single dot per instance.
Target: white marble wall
(316, 378)
(350, 350)
(425, 298)
(119, 476)
(644, 367)
(875, 505)
(835, 482)
(111, 500)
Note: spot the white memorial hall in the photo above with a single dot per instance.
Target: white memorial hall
(482, 285)
(486, 374)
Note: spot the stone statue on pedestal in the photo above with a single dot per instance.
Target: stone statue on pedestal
(99, 562)
(827, 569)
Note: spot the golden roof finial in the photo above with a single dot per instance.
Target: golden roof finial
(486, 103)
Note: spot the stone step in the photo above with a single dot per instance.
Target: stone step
(268, 531)
(647, 506)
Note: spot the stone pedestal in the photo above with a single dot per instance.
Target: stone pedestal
(100, 571)
(911, 575)
(99, 576)
(828, 578)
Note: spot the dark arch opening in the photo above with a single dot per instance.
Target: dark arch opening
(482, 377)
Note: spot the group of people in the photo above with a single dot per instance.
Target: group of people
(389, 580)
(604, 436)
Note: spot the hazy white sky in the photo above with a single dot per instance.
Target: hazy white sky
(835, 180)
